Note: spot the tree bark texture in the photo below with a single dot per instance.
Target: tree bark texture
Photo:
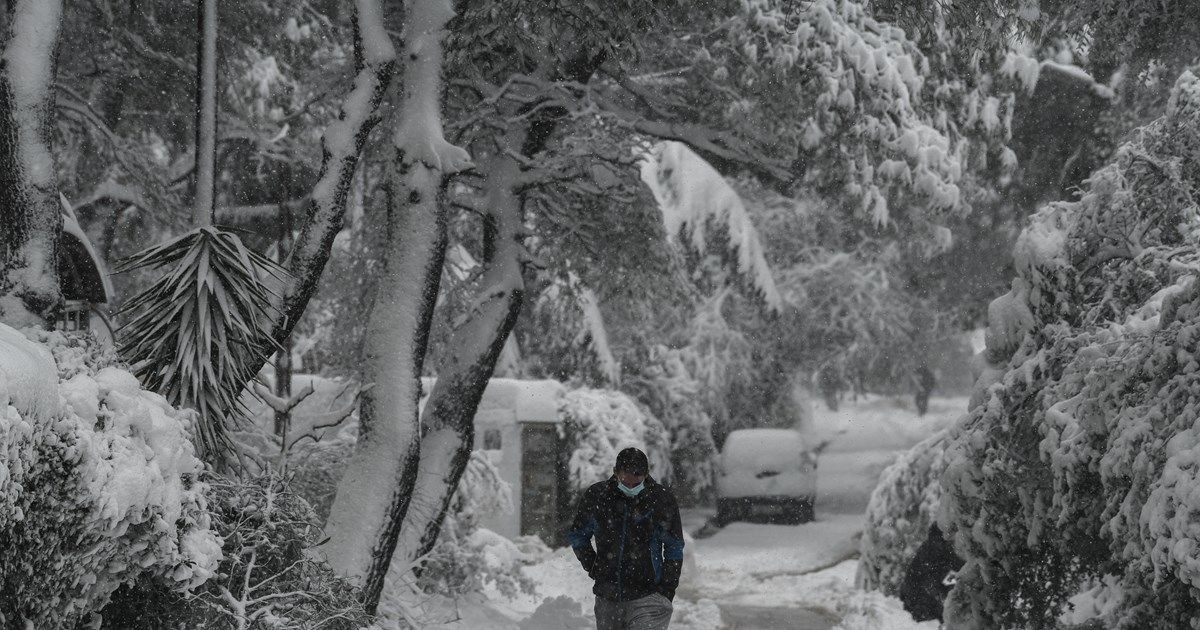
(448, 421)
(30, 215)
(206, 114)
(373, 495)
(341, 146)
(363, 529)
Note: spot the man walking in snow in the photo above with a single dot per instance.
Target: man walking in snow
(638, 554)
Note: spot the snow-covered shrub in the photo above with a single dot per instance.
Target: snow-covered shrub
(901, 509)
(98, 484)
(1082, 459)
(599, 423)
(269, 577)
(674, 399)
(467, 557)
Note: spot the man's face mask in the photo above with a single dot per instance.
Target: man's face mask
(631, 492)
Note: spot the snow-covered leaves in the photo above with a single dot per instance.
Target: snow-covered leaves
(567, 306)
(1082, 460)
(99, 493)
(694, 198)
(827, 88)
(197, 333)
(599, 423)
(902, 507)
(268, 579)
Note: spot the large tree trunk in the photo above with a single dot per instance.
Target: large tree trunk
(30, 216)
(373, 495)
(447, 423)
(206, 114)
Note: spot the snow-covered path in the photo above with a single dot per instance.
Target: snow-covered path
(769, 565)
(749, 576)
(763, 618)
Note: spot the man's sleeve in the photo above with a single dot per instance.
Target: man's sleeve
(672, 537)
(583, 528)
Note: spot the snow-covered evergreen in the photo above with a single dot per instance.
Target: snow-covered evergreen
(599, 423)
(902, 507)
(1080, 461)
(96, 489)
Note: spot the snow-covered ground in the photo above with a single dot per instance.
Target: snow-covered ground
(748, 566)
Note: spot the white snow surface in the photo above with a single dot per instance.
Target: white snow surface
(751, 455)
(809, 566)
(28, 379)
(690, 194)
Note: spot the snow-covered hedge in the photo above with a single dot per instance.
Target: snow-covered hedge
(268, 579)
(901, 509)
(1082, 459)
(467, 557)
(98, 484)
(601, 422)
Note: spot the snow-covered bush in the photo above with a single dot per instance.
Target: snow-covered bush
(901, 509)
(467, 557)
(1082, 458)
(599, 423)
(674, 397)
(98, 484)
(269, 578)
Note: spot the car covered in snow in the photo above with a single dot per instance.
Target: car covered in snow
(766, 475)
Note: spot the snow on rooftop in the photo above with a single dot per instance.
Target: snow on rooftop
(512, 400)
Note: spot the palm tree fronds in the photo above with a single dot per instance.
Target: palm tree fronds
(202, 331)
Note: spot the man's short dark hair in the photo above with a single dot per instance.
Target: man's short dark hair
(633, 461)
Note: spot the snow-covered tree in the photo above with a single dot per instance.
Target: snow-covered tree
(902, 507)
(98, 484)
(364, 529)
(1077, 460)
(30, 215)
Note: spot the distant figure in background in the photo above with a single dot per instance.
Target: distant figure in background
(930, 577)
(830, 385)
(638, 555)
(925, 383)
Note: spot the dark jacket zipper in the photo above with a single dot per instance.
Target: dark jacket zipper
(621, 551)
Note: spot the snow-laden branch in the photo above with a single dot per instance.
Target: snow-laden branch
(342, 145)
(691, 194)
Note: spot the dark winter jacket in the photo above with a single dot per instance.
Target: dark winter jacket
(929, 578)
(639, 540)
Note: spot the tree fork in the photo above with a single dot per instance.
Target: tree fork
(448, 420)
(448, 425)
